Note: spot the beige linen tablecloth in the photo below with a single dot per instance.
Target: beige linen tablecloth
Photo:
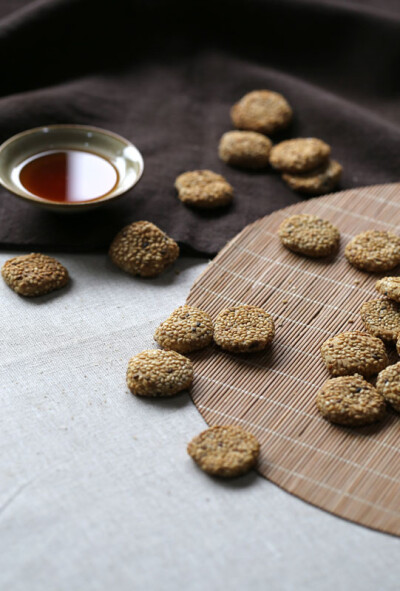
(96, 489)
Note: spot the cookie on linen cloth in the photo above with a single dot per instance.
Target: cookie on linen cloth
(143, 249)
(389, 287)
(245, 149)
(225, 451)
(34, 274)
(299, 155)
(204, 189)
(353, 352)
(159, 373)
(374, 250)
(309, 235)
(388, 384)
(350, 401)
(244, 329)
(381, 318)
(187, 329)
(323, 179)
(264, 111)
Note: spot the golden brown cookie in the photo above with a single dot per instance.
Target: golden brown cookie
(374, 250)
(264, 111)
(225, 451)
(245, 149)
(299, 155)
(388, 384)
(353, 352)
(350, 401)
(309, 235)
(244, 329)
(204, 189)
(34, 274)
(381, 318)
(143, 249)
(390, 287)
(321, 180)
(187, 329)
(159, 373)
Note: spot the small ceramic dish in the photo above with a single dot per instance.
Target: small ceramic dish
(125, 158)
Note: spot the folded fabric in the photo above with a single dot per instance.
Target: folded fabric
(164, 74)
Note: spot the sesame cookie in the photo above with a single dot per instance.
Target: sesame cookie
(309, 235)
(388, 384)
(264, 111)
(187, 329)
(299, 155)
(353, 352)
(203, 188)
(390, 287)
(224, 451)
(243, 329)
(245, 149)
(315, 182)
(350, 401)
(143, 249)
(374, 251)
(159, 373)
(34, 274)
(381, 318)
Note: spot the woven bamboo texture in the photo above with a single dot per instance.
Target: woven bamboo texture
(353, 473)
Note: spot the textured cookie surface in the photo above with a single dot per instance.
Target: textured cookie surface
(299, 155)
(309, 235)
(187, 329)
(390, 287)
(323, 179)
(388, 384)
(374, 250)
(264, 111)
(381, 318)
(159, 373)
(350, 401)
(354, 352)
(34, 274)
(203, 188)
(245, 149)
(243, 329)
(225, 451)
(143, 249)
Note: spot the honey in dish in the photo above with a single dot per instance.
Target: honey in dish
(68, 176)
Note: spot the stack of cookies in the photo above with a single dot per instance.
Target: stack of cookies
(304, 163)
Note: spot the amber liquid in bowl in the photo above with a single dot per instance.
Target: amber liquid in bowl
(68, 176)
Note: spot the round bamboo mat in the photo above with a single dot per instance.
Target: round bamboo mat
(353, 473)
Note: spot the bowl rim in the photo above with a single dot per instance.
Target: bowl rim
(78, 204)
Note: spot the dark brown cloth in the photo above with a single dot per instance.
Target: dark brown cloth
(164, 74)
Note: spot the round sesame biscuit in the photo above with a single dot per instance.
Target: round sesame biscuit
(381, 318)
(309, 235)
(143, 249)
(350, 401)
(159, 373)
(34, 274)
(264, 111)
(353, 352)
(187, 329)
(299, 155)
(204, 189)
(389, 287)
(245, 149)
(225, 451)
(244, 329)
(374, 251)
(388, 384)
(323, 179)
